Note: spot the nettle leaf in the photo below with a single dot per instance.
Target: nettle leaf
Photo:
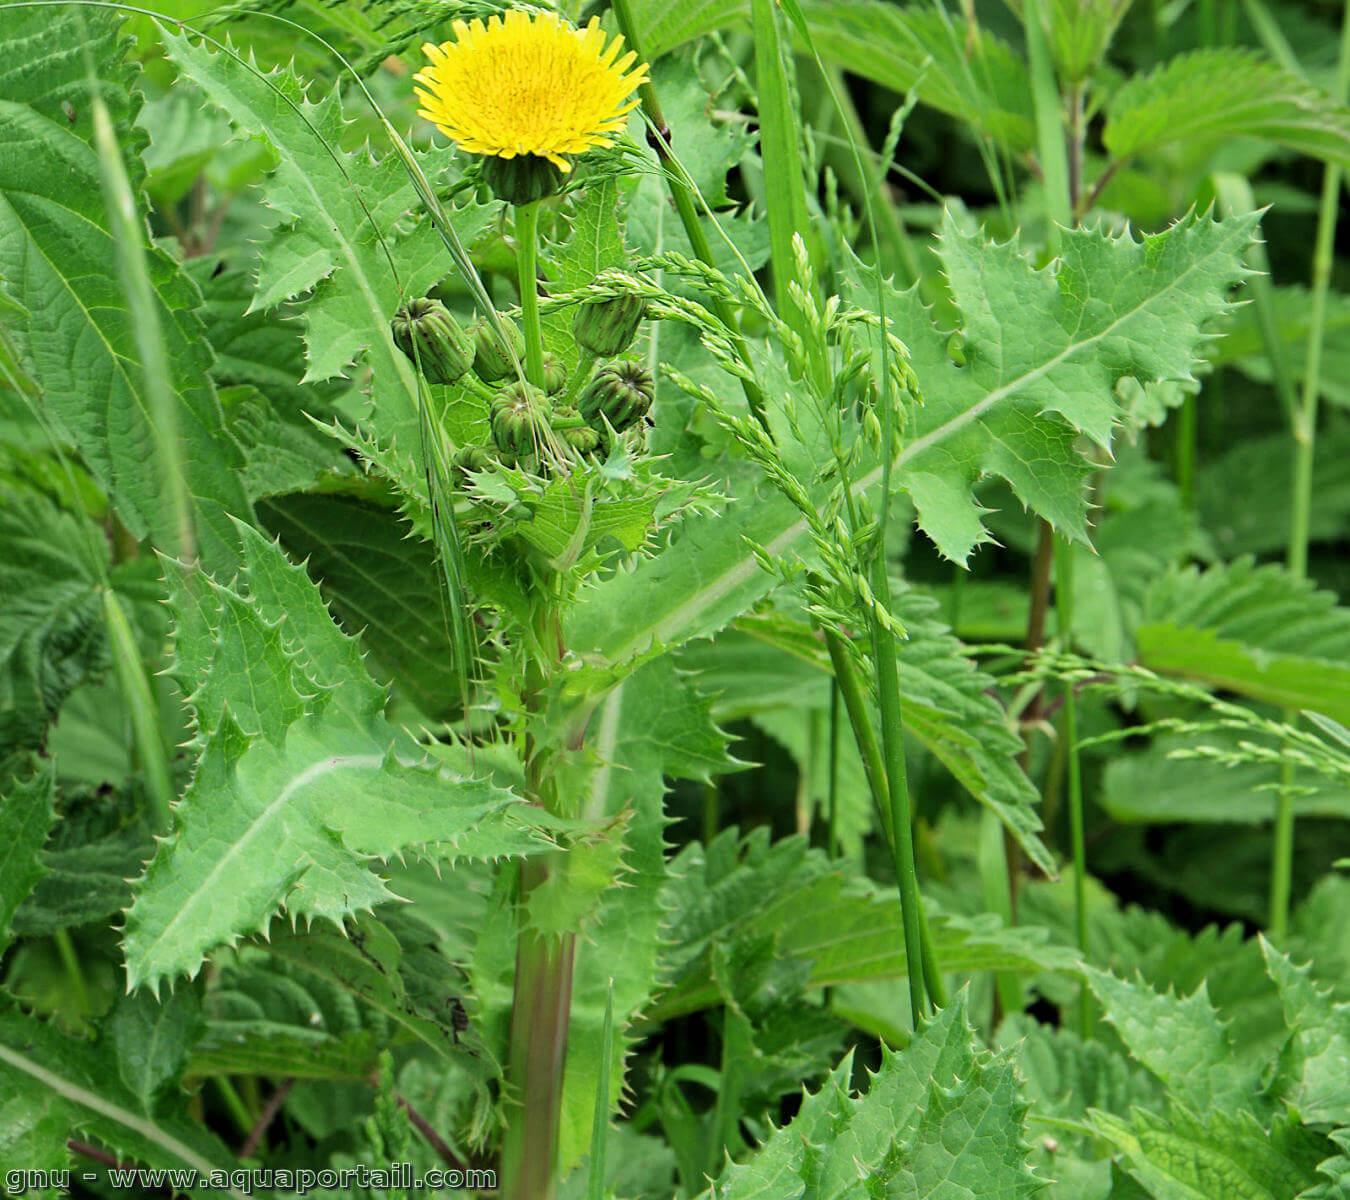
(81, 1085)
(1314, 1072)
(27, 813)
(1226, 92)
(345, 240)
(75, 331)
(1185, 1156)
(52, 623)
(741, 894)
(301, 782)
(1254, 630)
(1156, 787)
(940, 1119)
(1243, 345)
(1246, 520)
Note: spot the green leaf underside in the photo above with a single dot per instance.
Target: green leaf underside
(57, 260)
(301, 786)
(26, 816)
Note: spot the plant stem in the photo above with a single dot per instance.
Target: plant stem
(540, 1010)
(902, 826)
(1064, 603)
(70, 960)
(832, 785)
(580, 377)
(234, 1104)
(527, 267)
(140, 702)
(1305, 444)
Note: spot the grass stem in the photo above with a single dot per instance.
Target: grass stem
(1305, 448)
(527, 265)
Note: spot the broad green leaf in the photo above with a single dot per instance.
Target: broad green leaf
(80, 1084)
(76, 335)
(941, 1119)
(52, 623)
(1246, 520)
(342, 240)
(301, 783)
(26, 816)
(1253, 630)
(1184, 1156)
(152, 1039)
(1181, 1040)
(1209, 96)
(1313, 1078)
(1243, 346)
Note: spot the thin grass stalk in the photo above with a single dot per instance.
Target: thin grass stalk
(146, 730)
(128, 233)
(683, 192)
(882, 637)
(1064, 604)
(1305, 449)
(991, 859)
(527, 267)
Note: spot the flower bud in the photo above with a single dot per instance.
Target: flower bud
(472, 458)
(620, 392)
(555, 374)
(607, 327)
(522, 179)
(491, 363)
(519, 416)
(426, 332)
(571, 426)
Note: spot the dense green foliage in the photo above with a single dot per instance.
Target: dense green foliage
(846, 697)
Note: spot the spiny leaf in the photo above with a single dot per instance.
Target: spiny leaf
(1314, 1075)
(294, 798)
(1184, 1156)
(1180, 1040)
(940, 1119)
(1226, 92)
(334, 209)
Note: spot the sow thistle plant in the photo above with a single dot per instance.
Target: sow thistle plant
(515, 653)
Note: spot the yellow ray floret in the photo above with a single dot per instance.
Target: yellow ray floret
(528, 85)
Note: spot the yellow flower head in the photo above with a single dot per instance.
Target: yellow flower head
(528, 85)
